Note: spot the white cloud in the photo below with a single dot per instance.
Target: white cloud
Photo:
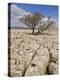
(17, 13)
(15, 22)
(45, 19)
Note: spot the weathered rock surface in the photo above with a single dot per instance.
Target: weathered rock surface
(54, 55)
(39, 63)
(31, 55)
(53, 68)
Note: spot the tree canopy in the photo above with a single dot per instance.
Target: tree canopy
(33, 20)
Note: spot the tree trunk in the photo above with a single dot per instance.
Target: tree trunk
(33, 31)
(38, 31)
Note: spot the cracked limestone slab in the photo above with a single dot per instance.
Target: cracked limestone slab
(40, 61)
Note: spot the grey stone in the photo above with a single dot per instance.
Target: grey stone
(53, 68)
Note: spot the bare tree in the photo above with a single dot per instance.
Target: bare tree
(32, 20)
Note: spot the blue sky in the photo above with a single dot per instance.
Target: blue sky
(47, 10)
(19, 10)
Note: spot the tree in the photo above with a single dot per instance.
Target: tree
(32, 20)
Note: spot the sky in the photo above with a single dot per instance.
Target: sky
(19, 10)
(44, 9)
